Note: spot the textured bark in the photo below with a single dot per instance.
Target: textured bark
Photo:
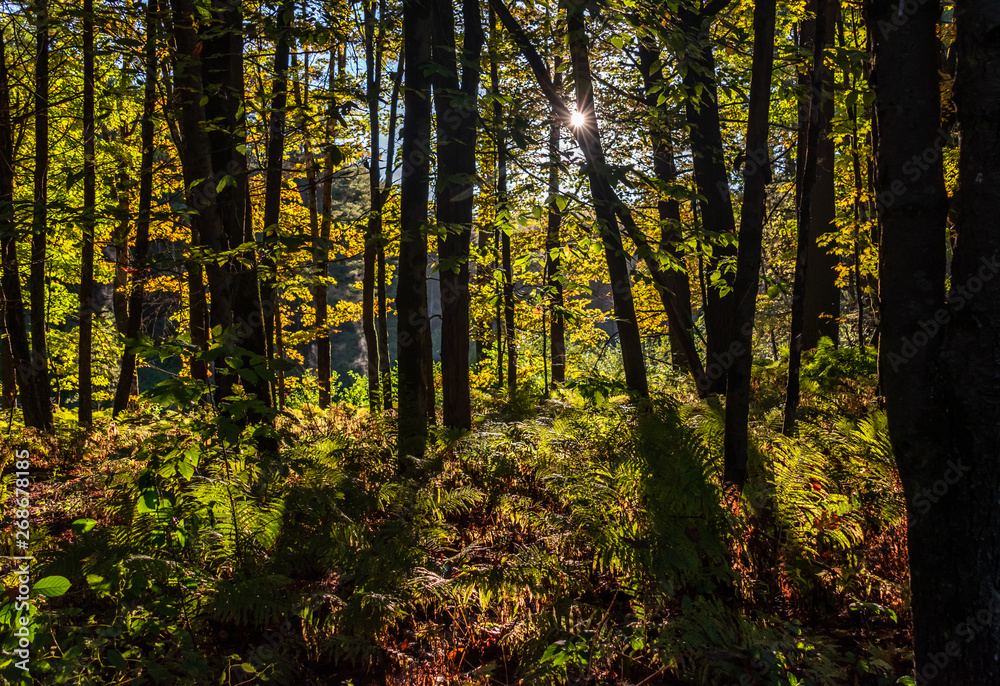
(373, 227)
(938, 357)
(712, 182)
(813, 124)
(126, 378)
(553, 247)
(821, 303)
(273, 182)
(411, 294)
(588, 134)
(756, 175)
(85, 411)
(676, 281)
(34, 394)
(455, 104)
(39, 367)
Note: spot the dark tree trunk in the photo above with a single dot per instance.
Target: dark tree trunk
(455, 104)
(272, 191)
(385, 364)
(812, 123)
(821, 304)
(678, 287)
(553, 247)
(320, 291)
(222, 55)
(938, 358)
(712, 181)
(373, 228)
(85, 411)
(39, 223)
(411, 295)
(34, 393)
(135, 304)
(756, 175)
(206, 222)
(119, 296)
(588, 135)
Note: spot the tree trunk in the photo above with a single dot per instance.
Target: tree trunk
(813, 125)
(85, 412)
(553, 247)
(668, 209)
(34, 391)
(135, 304)
(320, 291)
(456, 108)
(938, 358)
(385, 364)
(712, 181)
(821, 303)
(411, 295)
(756, 176)
(40, 220)
(273, 182)
(373, 228)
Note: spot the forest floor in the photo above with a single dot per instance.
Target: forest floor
(568, 540)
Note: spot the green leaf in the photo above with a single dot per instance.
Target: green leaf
(51, 586)
(82, 526)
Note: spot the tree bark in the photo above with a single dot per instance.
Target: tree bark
(135, 303)
(40, 218)
(411, 295)
(712, 182)
(756, 176)
(273, 182)
(373, 228)
(455, 104)
(320, 291)
(588, 135)
(821, 303)
(553, 247)
(385, 364)
(938, 358)
(34, 393)
(85, 411)
(813, 125)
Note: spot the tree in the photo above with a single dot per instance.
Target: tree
(126, 378)
(373, 227)
(39, 223)
(553, 244)
(32, 382)
(455, 104)
(936, 353)
(85, 410)
(411, 293)
(753, 216)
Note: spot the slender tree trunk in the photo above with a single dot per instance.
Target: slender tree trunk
(373, 228)
(500, 218)
(668, 209)
(320, 292)
(272, 192)
(712, 181)
(756, 175)
(385, 365)
(821, 302)
(135, 303)
(813, 125)
(588, 135)
(119, 297)
(553, 247)
(937, 356)
(457, 112)
(39, 223)
(411, 294)
(85, 412)
(34, 393)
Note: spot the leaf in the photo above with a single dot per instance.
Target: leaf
(82, 526)
(618, 42)
(51, 586)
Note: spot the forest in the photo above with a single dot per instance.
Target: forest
(496, 342)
